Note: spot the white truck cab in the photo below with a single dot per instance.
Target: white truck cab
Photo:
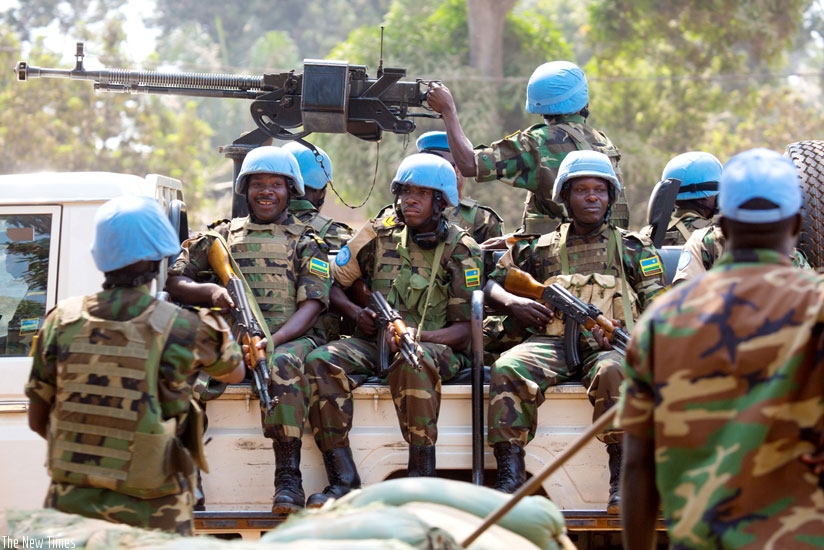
(46, 225)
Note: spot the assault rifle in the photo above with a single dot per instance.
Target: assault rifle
(557, 297)
(329, 96)
(409, 348)
(245, 328)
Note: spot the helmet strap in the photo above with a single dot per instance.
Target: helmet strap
(428, 240)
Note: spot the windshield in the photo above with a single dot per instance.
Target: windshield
(25, 241)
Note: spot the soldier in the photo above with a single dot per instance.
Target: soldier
(529, 159)
(317, 174)
(481, 222)
(705, 246)
(618, 271)
(108, 387)
(396, 256)
(695, 205)
(722, 402)
(286, 267)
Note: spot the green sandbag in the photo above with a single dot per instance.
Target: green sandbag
(534, 518)
(364, 522)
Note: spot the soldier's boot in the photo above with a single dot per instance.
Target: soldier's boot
(614, 502)
(200, 497)
(289, 496)
(511, 468)
(342, 475)
(421, 461)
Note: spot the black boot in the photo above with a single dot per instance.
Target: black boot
(342, 475)
(200, 497)
(421, 461)
(614, 502)
(511, 469)
(289, 496)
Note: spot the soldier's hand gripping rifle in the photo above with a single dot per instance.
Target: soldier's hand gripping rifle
(555, 296)
(245, 328)
(387, 315)
(329, 96)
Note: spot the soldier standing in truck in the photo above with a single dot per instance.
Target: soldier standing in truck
(108, 387)
(529, 159)
(286, 266)
(617, 271)
(427, 269)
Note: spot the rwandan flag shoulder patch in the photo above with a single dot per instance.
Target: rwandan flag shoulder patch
(651, 266)
(319, 267)
(472, 277)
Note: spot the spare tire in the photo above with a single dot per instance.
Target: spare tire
(808, 156)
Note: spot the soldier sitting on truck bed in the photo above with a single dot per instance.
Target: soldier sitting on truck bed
(427, 269)
(108, 382)
(286, 266)
(618, 271)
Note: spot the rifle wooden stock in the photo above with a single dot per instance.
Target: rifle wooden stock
(521, 283)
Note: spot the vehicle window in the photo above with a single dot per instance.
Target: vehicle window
(25, 241)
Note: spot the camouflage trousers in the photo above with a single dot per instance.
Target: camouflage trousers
(171, 513)
(521, 375)
(290, 387)
(339, 367)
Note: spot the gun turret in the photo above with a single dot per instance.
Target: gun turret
(329, 96)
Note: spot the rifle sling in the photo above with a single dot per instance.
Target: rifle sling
(436, 266)
(250, 297)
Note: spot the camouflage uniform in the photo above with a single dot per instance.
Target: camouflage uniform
(682, 224)
(284, 264)
(704, 247)
(112, 367)
(724, 376)
(529, 159)
(402, 274)
(521, 375)
(335, 235)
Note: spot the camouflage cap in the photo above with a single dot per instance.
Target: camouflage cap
(759, 174)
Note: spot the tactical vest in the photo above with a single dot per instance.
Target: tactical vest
(678, 232)
(106, 429)
(267, 254)
(588, 279)
(402, 274)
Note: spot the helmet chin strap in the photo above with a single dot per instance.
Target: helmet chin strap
(428, 240)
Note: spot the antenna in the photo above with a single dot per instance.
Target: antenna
(380, 62)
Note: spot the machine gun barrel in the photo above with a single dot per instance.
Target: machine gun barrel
(329, 96)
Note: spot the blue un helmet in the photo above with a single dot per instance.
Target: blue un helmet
(579, 164)
(433, 141)
(128, 230)
(429, 171)
(270, 160)
(698, 172)
(314, 175)
(557, 88)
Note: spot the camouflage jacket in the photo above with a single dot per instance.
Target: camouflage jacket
(529, 159)
(307, 272)
(724, 376)
(704, 247)
(540, 257)
(335, 234)
(682, 224)
(375, 254)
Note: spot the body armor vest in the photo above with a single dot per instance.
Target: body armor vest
(266, 254)
(406, 281)
(106, 429)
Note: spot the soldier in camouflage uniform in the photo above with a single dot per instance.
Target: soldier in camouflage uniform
(286, 267)
(529, 159)
(317, 174)
(395, 256)
(108, 387)
(705, 246)
(617, 271)
(695, 204)
(722, 403)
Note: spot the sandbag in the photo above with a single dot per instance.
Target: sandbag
(535, 518)
(375, 521)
